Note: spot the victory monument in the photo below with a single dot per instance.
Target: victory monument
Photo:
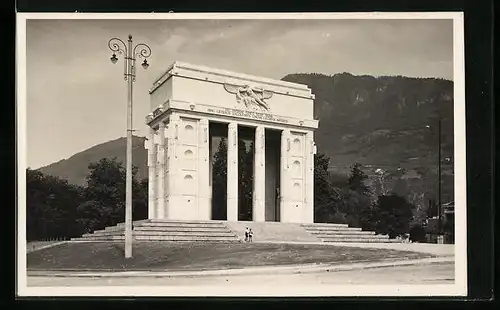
(194, 108)
(191, 106)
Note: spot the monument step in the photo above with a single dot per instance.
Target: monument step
(184, 221)
(342, 232)
(361, 241)
(162, 224)
(230, 238)
(103, 238)
(183, 233)
(113, 228)
(163, 233)
(333, 228)
(327, 237)
(158, 240)
(181, 229)
(104, 233)
(181, 224)
(187, 238)
(122, 224)
(324, 225)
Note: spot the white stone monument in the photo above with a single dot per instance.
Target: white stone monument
(186, 101)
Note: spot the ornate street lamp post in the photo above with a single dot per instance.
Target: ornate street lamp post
(131, 53)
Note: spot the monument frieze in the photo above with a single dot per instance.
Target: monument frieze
(248, 114)
(250, 97)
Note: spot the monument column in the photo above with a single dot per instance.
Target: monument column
(161, 173)
(259, 178)
(232, 172)
(151, 146)
(284, 182)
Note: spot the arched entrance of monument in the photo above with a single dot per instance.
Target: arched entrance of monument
(246, 152)
(218, 169)
(273, 163)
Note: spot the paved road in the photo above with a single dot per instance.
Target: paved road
(420, 274)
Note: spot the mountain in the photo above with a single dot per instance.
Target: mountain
(380, 121)
(75, 168)
(387, 122)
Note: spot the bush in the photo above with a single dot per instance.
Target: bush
(391, 215)
(417, 233)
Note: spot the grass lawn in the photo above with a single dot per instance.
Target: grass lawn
(162, 256)
(35, 245)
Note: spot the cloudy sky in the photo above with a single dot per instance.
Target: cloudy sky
(76, 98)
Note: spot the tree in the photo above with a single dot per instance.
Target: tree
(140, 200)
(326, 197)
(357, 180)
(245, 175)
(90, 217)
(51, 206)
(389, 215)
(219, 182)
(354, 196)
(352, 204)
(105, 195)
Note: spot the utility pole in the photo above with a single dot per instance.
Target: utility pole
(439, 177)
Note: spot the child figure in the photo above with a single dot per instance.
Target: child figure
(250, 236)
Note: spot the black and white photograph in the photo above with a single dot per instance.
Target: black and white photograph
(231, 154)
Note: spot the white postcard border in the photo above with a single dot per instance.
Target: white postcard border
(459, 288)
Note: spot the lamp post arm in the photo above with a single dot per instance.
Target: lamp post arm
(143, 52)
(117, 45)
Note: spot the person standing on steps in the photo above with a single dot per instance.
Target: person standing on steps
(250, 235)
(247, 233)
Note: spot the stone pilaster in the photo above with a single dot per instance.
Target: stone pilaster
(284, 181)
(204, 194)
(259, 179)
(151, 147)
(232, 172)
(161, 172)
(173, 168)
(308, 216)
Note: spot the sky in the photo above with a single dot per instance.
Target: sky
(76, 98)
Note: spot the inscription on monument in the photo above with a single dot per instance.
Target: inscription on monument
(248, 114)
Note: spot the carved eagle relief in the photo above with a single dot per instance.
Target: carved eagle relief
(251, 97)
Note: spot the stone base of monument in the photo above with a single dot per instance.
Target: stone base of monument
(222, 231)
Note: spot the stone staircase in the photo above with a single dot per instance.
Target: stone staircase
(340, 233)
(166, 230)
(223, 231)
